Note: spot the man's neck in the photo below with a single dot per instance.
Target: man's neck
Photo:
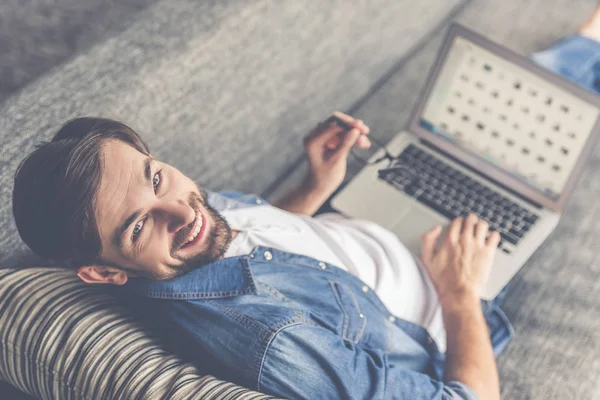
(234, 234)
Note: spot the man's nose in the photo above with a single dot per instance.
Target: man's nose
(178, 213)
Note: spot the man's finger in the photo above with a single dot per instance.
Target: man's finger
(350, 139)
(348, 122)
(481, 230)
(362, 126)
(493, 239)
(331, 131)
(468, 231)
(363, 142)
(454, 230)
(323, 133)
(428, 244)
(340, 116)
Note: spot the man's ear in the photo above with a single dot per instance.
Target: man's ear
(101, 274)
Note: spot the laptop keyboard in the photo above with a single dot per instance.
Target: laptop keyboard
(451, 193)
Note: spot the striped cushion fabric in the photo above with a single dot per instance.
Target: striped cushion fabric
(63, 339)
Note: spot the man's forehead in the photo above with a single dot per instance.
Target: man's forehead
(121, 164)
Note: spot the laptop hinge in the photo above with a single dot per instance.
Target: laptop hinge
(476, 172)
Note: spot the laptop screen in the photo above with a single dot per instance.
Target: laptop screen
(508, 116)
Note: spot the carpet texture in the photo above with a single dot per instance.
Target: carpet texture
(38, 35)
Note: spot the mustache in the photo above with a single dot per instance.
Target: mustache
(194, 200)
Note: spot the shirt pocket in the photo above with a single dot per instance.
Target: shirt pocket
(354, 321)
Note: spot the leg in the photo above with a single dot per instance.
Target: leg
(576, 57)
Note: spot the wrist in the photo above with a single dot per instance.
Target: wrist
(304, 199)
(458, 301)
(315, 188)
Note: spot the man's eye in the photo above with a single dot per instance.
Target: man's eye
(156, 180)
(137, 229)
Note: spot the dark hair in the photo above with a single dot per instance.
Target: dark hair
(55, 190)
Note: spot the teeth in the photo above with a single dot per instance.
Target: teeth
(197, 229)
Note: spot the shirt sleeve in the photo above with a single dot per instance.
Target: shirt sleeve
(309, 362)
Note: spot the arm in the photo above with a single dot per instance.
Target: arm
(470, 358)
(303, 200)
(459, 268)
(310, 362)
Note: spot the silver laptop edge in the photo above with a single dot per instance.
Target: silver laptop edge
(408, 218)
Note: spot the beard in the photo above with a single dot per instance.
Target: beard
(218, 239)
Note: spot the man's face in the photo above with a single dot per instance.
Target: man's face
(154, 221)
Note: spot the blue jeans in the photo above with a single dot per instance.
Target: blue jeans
(577, 58)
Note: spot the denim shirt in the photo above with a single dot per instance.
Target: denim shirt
(296, 327)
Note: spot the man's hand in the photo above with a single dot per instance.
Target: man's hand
(328, 145)
(459, 269)
(462, 263)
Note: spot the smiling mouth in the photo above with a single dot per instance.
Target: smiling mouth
(196, 232)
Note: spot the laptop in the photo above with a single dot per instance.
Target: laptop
(492, 133)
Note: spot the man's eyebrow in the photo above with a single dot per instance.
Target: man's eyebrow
(118, 236)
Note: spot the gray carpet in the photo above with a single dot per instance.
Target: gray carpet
(36, 36)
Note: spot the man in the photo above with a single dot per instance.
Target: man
(266, 295)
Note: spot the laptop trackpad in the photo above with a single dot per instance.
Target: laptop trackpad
(414, 223)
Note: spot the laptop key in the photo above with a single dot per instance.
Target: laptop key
(531, 218)
(411, 190)
(516, 232)
(510, 237)
(436, 207)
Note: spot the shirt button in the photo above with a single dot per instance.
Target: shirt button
(258, 201)
(268, 255)
(322, 265)
(391, 318)
(361, 315)
(365, 288)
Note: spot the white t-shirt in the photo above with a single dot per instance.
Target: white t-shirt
(372, 253)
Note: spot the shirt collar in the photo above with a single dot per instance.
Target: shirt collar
(218, 201)
(238, 215)
(225, 277)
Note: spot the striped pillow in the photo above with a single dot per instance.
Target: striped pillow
(63, 339)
